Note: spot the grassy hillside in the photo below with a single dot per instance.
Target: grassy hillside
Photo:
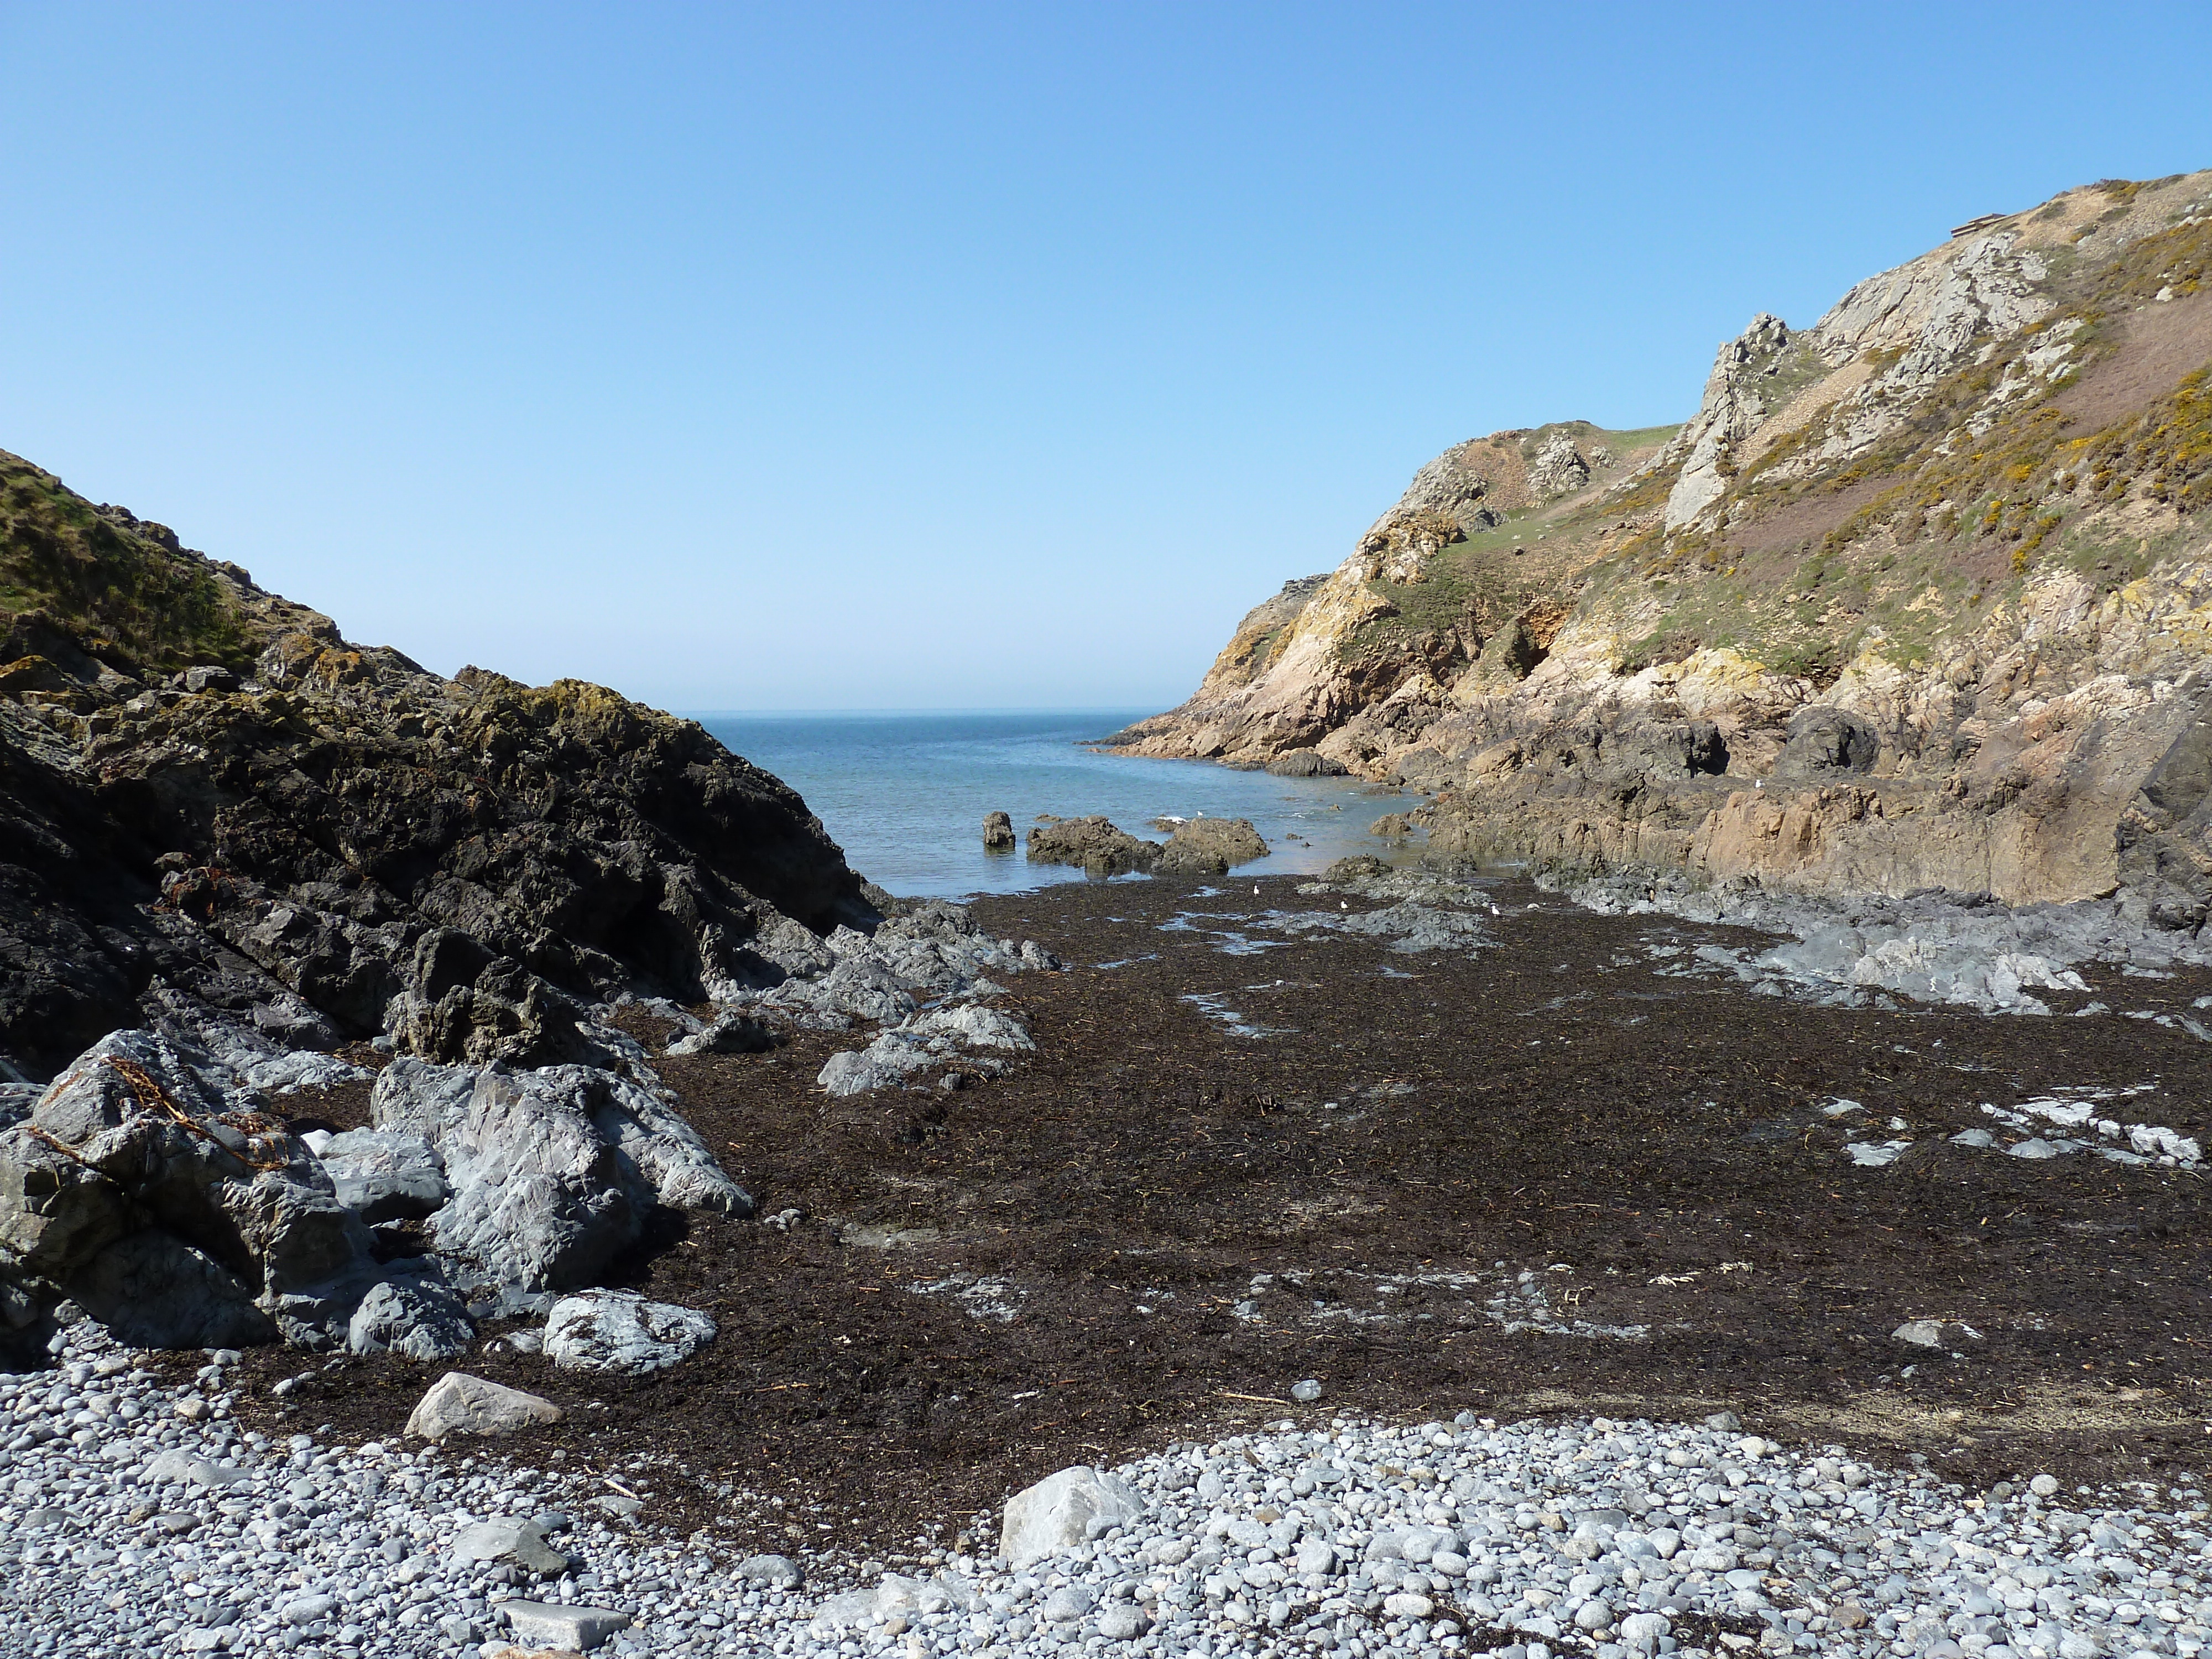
(124, 589)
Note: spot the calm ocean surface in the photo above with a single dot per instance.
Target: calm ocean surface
(905, 794)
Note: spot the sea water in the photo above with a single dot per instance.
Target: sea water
(905, 794)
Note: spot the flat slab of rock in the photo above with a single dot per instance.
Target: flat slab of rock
(554, 1624)
(522, 1543)
(1055, 1514)
(458, 1403)
(621, 1331)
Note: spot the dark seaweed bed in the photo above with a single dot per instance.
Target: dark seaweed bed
(1552, 1105)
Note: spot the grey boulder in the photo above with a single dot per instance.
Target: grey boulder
(621, 1331)
(151, 1290)
(144, 1134)
(458, 1403)
(731, 1034)
(559, 1625)
(973, 1026)
(420, 1320)
(888, 1061)
(922, 1042)
(554, 1172)
(522, 1543)
(383, 1175)
(780, 1571)
(1055, 1515)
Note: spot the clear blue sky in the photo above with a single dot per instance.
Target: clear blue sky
(946, 354)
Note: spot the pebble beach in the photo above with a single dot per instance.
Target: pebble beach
(136, 1520)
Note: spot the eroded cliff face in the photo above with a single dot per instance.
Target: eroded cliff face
(1920, 597)
(213, 807)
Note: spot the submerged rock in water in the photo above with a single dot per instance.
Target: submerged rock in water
(1093, 843)
(998, 833)
(1209, 847)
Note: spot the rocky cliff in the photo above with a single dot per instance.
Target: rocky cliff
(220, 817)
(1922, 596)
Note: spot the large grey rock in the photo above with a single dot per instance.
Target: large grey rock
(780, 1571)
(621, 1331)
(145, 1133)
(932, 951)
(973, 1026)
(886, 1063)
(385, 1175)
(418, 1319)
(1055, 1514)
(458, 1403)
(923, 1042)
(858, 988)
(553, 1171)
(151, 1290)
(559, 1625)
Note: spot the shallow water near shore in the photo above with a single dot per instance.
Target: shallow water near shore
(904, 794)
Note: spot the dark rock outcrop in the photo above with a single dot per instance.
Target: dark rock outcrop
(1092, 842)
(1305, 764)
(998, 833)
(1209, 847)
(227, 801)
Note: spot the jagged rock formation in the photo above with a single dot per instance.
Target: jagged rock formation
(1922, 596)
(246, 841)
(218, 816)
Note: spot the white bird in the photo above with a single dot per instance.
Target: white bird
(1255, 892)
(1341, 905)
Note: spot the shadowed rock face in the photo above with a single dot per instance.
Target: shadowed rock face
(1921, 596)
(320, 841)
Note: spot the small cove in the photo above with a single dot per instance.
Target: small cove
(904, 794)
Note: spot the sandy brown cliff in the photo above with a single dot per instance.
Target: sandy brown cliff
(1922, 596)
